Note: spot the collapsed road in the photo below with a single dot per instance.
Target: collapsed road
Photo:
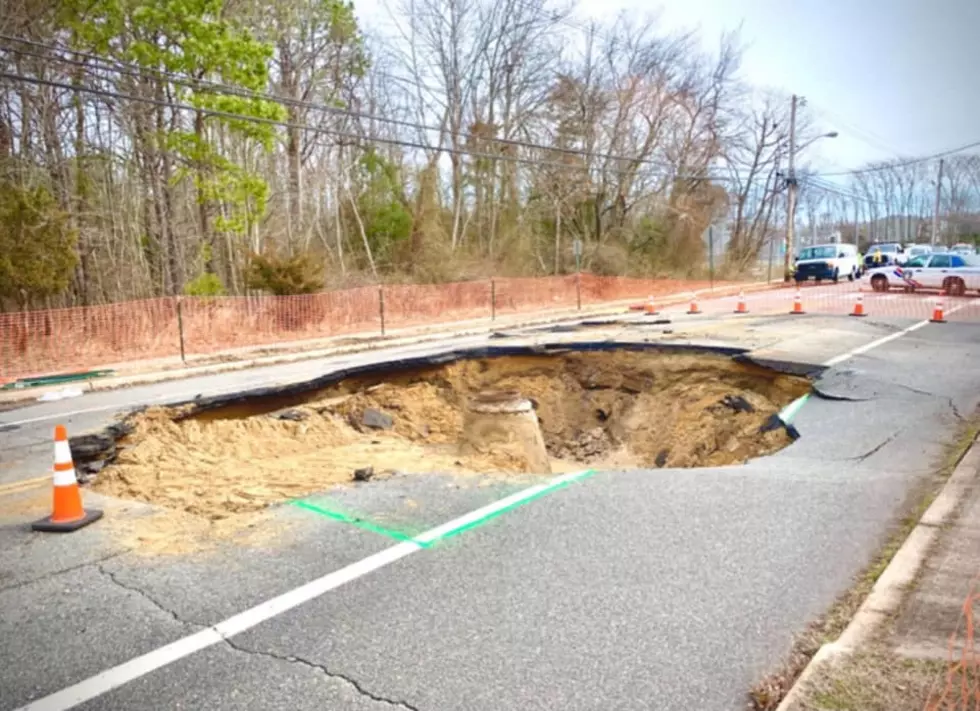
(617, 585)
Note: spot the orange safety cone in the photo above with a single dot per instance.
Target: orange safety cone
(741, 308)
(797, 304)
(649, 308)
(937, 311)
(694, 305)
(858, 306)
(67, 513)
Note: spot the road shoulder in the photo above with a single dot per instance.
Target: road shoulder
(909, 646)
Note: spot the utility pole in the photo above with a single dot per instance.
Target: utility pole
(857, 224)
(935, 210)
(790, 192)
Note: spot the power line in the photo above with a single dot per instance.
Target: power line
(136, 71)
(902, 164)
(825, 186)
(866, 136)
(314, 129)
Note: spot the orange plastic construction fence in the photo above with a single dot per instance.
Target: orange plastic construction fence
(169, 329)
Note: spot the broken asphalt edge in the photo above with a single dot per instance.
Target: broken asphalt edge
(431, 332)
(100, 445)
(889, 590)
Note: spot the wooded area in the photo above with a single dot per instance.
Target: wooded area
(206, 147)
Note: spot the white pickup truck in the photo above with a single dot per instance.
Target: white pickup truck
(956, 273)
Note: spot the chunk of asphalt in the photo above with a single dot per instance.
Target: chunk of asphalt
(847, 384)
(291, 415)
(90, 447)
(364, 474)
(737, 403)
(375, 419)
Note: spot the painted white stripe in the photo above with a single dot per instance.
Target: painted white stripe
(133, 669)
(62, 452)
(170, 397)
(472, 516)
(882, 341)
(66, 478)
(126, 672)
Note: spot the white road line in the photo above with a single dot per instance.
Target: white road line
(118, 406)
(162, 656)
(881, 341)
(157, 398)
(253, 382)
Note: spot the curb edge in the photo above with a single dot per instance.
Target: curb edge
(887, 594)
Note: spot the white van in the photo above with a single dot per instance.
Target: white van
(828, 261)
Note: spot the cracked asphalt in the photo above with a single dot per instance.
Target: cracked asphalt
(665, 589)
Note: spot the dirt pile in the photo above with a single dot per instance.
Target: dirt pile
(615, 409)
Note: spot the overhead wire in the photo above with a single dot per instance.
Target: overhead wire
(904, 163)
(124, 68)
(354, 137)
(866, 136)
(128, 69)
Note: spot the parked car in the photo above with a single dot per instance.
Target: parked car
(827, 261)
(964, 249)
(917, 250)
(955, 273)
(879, 255)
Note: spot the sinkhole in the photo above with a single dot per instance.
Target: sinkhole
(508, 414)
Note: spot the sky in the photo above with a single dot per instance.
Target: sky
(892, 77)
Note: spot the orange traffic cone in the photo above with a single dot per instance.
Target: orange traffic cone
(649, 308)
(858, 306)
(797, 304)
(694, 305)
(67, 513)
(937, 311)
(741, 308)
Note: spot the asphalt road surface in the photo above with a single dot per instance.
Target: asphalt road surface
(666, 589)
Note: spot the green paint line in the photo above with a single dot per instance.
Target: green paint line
(356, 521)
(427, 540)
(790, 411)
(546, 489)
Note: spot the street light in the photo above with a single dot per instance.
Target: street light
(791, 186)
(832, 134)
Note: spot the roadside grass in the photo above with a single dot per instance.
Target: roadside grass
(871, 680)
(769, 691)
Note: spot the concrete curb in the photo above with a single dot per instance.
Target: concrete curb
(432, 333)
(889, 590)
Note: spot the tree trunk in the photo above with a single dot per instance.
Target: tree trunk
(557, 238)
(203, 213)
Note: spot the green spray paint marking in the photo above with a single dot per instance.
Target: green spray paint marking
(790, 411)
(426, 540)
(356, 521)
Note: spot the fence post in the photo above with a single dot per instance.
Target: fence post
(180, 329)
(493, 299)
(578, 290)
(769, 274)
(381, 308)
(711, 257)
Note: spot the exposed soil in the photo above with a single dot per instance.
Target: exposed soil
(607, 409)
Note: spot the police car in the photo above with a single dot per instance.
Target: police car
(955, 273)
